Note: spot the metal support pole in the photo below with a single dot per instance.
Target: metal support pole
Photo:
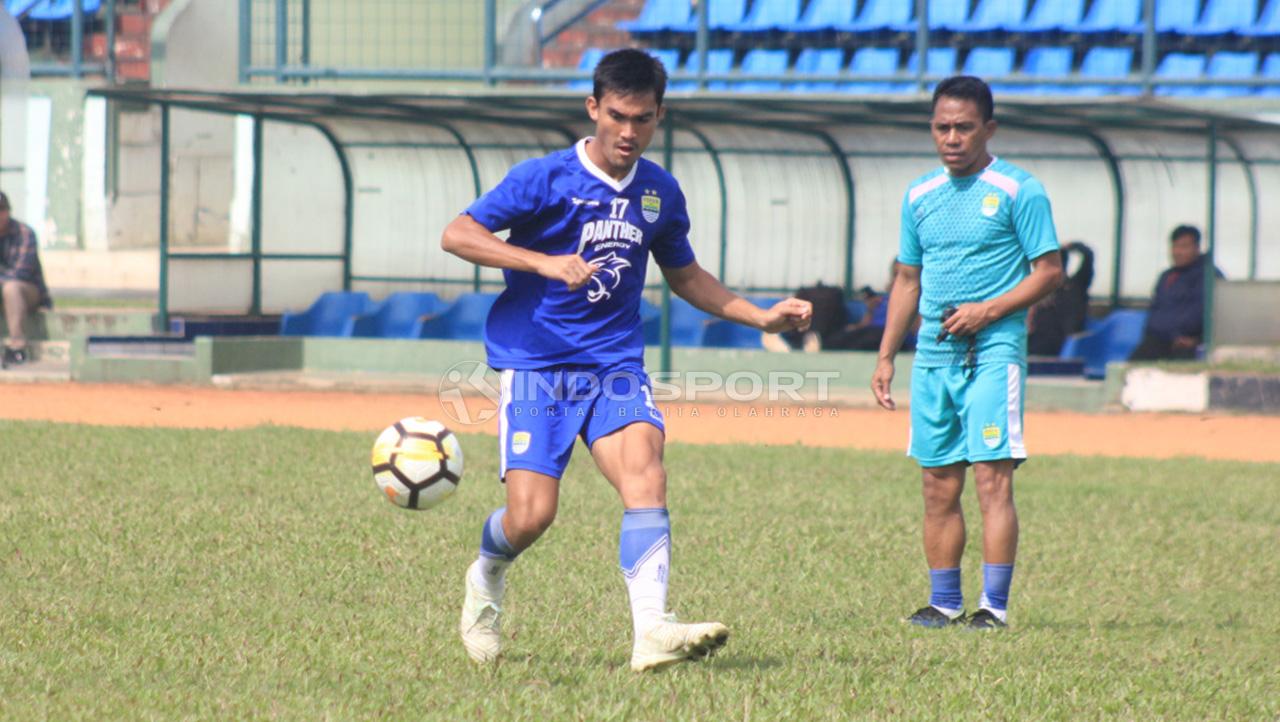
(255, 210)
(163, 301)
(490, 39)
(1148, 44)
(1210, 232)
(664, 334)
(305, 59)
(282, 38)
(703, 41)
(245, 31)
(111, 41)
(77, 38)
(922, 45)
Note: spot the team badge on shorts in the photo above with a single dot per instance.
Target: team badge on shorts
(990, 204)
(650, 206)
(520, 442)
(991, 436)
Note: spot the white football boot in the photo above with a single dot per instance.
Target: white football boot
(481, 624)
(668, 641)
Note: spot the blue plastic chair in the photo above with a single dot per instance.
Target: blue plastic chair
(1270, 71)
(1052, 16)
(879, 16)
(875, 61)
(400, 315)
(1225, 17)
(855, 309)
(18, 8)
(670, 58)
(762, 62)
(1267, 24)
(463, 320)
(1229, 65)
(1047, 62)
(943, 15)
(941, 61)
(824, 15)
(328, 316)
(1106, 63)
(590, 59)
(60, 9)
(992, 16)
(727, 334)
(718, 61)
(1179, 66)
(1112, 339)
(769, 15)
(1178, 16)
(659, 15)
(688, 324)
(1111, 16)
(818, 61)
(721, 15)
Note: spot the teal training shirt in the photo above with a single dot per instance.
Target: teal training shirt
(974, 239)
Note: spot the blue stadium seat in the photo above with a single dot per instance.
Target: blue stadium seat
(855, 309)
(1267, 24)
(650, 322)
(879, 16)
(943, 15)
(824, 15)
(464, 319)
(762, 62)
(18, 8)
(60, 9)
(400, 315)
(1112, 339)
(590, 59)
(941, 61)
(721, 15)
(1179, 66)
(876, 61)
(1052, 15)
(328, 316)
(1230, 65)
(1178, 16)
(1109, 63)
(688, 324)
(818, 61)
(989, 62)
(769, 15)
(1111, 16)
(1225, 17)
(1047, 62)
(727, 334)
(719, 60)
(659, 15)
(670, 58)
(1270, 71)
(995, 16)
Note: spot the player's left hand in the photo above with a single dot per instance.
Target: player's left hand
(789, 314)
(968, 319)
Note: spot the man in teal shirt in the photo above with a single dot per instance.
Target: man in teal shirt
(978, 248)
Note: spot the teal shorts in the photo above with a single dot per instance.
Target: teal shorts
(967, 415)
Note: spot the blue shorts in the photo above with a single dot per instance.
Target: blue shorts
(967, 415)
(543, 411)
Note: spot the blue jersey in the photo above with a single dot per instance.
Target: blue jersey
(973, 239)
(563, 204)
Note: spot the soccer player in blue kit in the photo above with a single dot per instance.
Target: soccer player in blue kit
(978, 247)
(567, 339)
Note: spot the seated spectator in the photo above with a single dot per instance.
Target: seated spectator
(1175, 321)
(22, 288)
(832, 329)
(1064, 311)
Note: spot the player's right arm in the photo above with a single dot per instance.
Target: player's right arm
(903, 303)
(465, 238)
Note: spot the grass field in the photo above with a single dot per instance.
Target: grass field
(161, 574)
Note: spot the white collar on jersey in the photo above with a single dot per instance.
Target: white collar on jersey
(985, 168)
(594, 169)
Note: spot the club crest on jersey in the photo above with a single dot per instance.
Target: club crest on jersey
(991, 435)
(990, 204)
(650, 206)
(520, 442)
(607, 278)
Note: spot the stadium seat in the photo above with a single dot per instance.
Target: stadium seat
(464, 319)
(1112, 339)
(60, 9)
(818, 61)
(590, 59)
(687, 323)
(855, 309)
(879, 16)
(670, 58)
(824, 15)
(1267, 24)
(941, 61)
(769, 15)
(943, 15)
(1108, 63)
(1179, 16)
(1229, 65)
(1270, 71)
(721, 15)
(1225, 17)
(658, 16)
(992, 16)
(400, 315)
(989, 63)
(727, 334)
(1052, 15)
(876, 61)
(18, 8)
(650, 322)
(1111, 16)
(762, 62)
(1180, 66)
(1047, 62)
(719, 61)
(328, 316)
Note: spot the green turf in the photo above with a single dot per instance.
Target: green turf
(160, 574)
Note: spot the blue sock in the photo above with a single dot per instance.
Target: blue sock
(995, 586)
(945, 589)
(642, 529)
(493, 541)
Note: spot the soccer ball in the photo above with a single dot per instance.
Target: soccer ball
(417, 463)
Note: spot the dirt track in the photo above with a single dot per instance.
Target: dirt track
(1248, 438)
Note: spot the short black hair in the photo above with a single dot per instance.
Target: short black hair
(1185, 230)
(4, 201)
(967, 87)
(630, 72)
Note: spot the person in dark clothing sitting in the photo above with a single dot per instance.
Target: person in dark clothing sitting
(1175, 321)
(1064, 311)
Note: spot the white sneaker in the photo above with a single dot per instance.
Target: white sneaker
(669, 641)
(481, 624)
